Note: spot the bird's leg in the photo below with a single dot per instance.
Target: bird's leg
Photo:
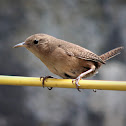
(81, 76)
(44, 78)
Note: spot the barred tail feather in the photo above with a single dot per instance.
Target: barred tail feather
(111, 53)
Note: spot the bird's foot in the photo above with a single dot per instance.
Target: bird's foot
(44, 78)
(94, 90)
(77, 83)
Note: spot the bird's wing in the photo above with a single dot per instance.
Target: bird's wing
(80, 52)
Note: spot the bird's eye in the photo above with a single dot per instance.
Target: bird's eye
(35, 41)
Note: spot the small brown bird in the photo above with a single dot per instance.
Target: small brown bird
(66, 59)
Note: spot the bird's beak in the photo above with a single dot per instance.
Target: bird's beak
(22, 44)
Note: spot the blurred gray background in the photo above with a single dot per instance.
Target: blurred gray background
(98, 25)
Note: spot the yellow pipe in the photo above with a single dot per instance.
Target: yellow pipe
(63, 83)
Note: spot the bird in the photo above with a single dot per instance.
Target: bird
(66, 59)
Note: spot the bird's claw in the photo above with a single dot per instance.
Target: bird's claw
(44, 78)
(94, 90)
(77, 83)
(50, 88)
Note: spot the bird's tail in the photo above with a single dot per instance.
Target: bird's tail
(111, 53)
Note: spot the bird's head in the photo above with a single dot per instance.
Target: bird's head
(34, 41)
(37, 44)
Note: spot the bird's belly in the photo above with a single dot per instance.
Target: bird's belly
(69, 66)
(68, 69)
